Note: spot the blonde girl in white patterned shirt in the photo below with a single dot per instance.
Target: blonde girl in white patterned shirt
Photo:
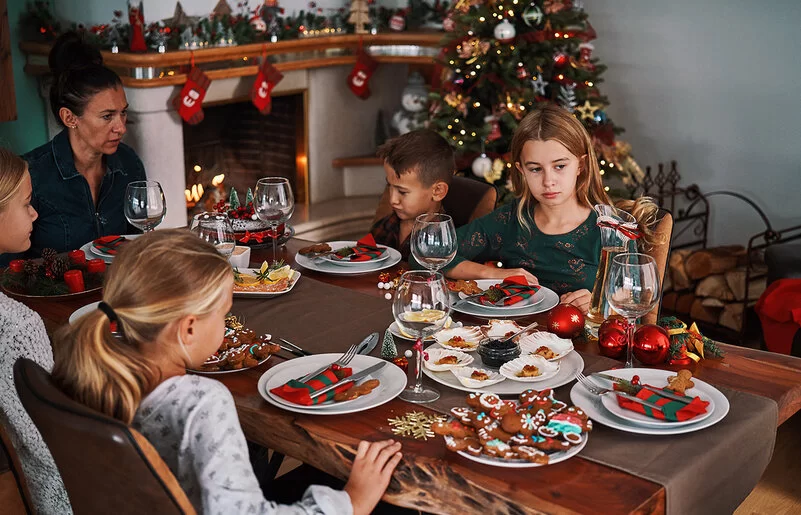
(168, 293)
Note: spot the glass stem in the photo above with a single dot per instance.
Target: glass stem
(275, 237)
(630, 343)
(418, 366)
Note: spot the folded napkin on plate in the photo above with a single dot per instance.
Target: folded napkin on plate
(110, 244)
(365, 250)
(673, 411)
(300, 393)
(515, 287)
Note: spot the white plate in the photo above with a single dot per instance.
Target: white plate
(520, 464)
(78, 313)
(542, 301)
(656, 378)
(463, 375)
(395, 330)
(470, 334)
(568, 367)
(485, 284)
(529, 343)
(393, 381)
(547, 369)
(435, 355)
(267, 294)
(92, 253)
(319, 265)
(498, 329)
(337, 245)
(594, 408)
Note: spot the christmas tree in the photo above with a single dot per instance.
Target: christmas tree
(503, 57)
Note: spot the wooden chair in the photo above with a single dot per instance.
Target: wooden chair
(16, 469)
(107, 467)
(466, 200)
(661, 253)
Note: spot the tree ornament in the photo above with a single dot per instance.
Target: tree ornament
(233, 200)
(532, 16)
(538, 83)
(495, 127)
(258, 24)
(388, 348)
(522, 72)
(612, 337)
(495, 174)
(651, 344)
(359, 16)
(554, 6)
(448, 24)
(566, 321)
(189, 102)
(587, 111)
(415, 424)
(249, 198)
(560, 59)
(397, 22)
(567, 97)
(585, 56)
(482, 165)
(505, 32)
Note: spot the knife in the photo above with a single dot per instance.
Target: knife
(368, 344)
(663, 393)
(364, 343)
(355, 377)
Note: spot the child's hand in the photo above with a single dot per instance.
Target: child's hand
(371, 472)
(580, 299)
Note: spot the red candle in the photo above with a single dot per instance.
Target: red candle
(77, 257)
(17, 266)
(74, 280)
(95, 266)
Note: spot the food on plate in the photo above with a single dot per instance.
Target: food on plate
(460, 338)
(529, 368)
(681, 381)
(240, 349)
(468, 287)
(479, 375)
(532, 429)
(447, 360)
(317, 248)
(425, 315)
(460, 343)
(270, 278)
(545, 344)
(529, 371)
(545, 352)
(357, 391)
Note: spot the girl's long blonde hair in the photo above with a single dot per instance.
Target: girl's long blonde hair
(155, 280)
(551, 122)
(12, 173)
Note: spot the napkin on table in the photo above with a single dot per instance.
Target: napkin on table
(365, 250)
(515, 287)
(300, 393)
(108, 244)
(673, 411)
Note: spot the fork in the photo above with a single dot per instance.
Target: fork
(598, 390)
(342, 361)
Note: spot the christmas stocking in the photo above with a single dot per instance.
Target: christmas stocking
(266, 80)
(360, 75)
(189, 101)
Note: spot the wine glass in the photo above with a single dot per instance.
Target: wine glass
(274, 203)
(216, 229)
(632, 290)
(433, 240)
(145, 206)
(420, 307)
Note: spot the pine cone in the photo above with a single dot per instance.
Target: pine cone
(31, 267)
(59, 266)
(48, 255)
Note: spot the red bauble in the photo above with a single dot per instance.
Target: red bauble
(612, 343)
(566, 321)
(651, 344)
(613, 323)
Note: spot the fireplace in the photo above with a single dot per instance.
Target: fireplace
(235, 145)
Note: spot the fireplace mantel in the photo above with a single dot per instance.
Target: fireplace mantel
(151, 70)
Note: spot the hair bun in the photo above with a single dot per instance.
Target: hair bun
(70, 52)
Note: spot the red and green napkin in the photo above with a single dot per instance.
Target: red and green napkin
(300, 393)
(366, 249)
(110, 244)
(673, 411)
(515, 288)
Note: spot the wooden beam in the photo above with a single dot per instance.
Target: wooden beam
(8, 99)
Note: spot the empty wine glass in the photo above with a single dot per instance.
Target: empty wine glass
(145, 206)
(421, 306)
(433, 240)
(216, 229)
(632, 290)
(273, 203)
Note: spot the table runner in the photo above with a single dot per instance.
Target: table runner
(709, 471)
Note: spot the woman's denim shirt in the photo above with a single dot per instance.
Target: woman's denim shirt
(68, 217)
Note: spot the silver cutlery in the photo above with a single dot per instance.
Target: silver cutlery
(303, 352)
(599, 391)
(518, 333)
(292, 351)
(467, 299)
(353, 378)
(342, 361)
(663, 393)
(368, 344)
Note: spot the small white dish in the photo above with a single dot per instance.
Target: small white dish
(463, 374)
(497, 329)
(547, 369)
(530, 343)
(240, 258)
(434, 355)
(471, 336)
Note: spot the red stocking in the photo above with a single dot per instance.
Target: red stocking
(266, 80)
(189, 101)
(360, 75)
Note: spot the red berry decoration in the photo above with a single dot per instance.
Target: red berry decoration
(402, 362)
(651, 344)
(566, 321)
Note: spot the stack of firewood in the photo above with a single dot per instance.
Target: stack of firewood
(709, 285)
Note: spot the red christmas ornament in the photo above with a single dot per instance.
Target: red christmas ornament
(397, 22)
(559, 59)
(566, 321)
(612, 340)
(522, 73)
(613, 323)
(651, 344)
(495, 128)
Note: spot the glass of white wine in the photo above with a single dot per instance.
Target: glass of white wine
(421, 307)
(145, 206)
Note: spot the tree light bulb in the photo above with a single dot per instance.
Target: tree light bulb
(606, 188)
(602, 172)
(603, 162)
(462, 132)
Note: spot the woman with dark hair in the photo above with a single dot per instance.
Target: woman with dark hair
(79, 177)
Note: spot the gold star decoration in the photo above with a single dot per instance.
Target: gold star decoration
(587, 111)
(415, 424)
(554, 325)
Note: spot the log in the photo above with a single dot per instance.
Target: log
(678, 274)
(703, 313)
(732, 316)
(714, 286)
(669, 300)
(736, 281)
(712, 302)
(685, 302)
(703, 263)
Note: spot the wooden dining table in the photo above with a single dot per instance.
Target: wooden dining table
(433, 479)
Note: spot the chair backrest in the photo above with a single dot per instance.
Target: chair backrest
(661, 253)
(16, 469)
(467, 200)
(107, 467)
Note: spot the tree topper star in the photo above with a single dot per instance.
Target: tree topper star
(539, 85)
(587, 111)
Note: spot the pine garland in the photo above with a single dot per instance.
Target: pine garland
(34, 279)
(681, 342)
